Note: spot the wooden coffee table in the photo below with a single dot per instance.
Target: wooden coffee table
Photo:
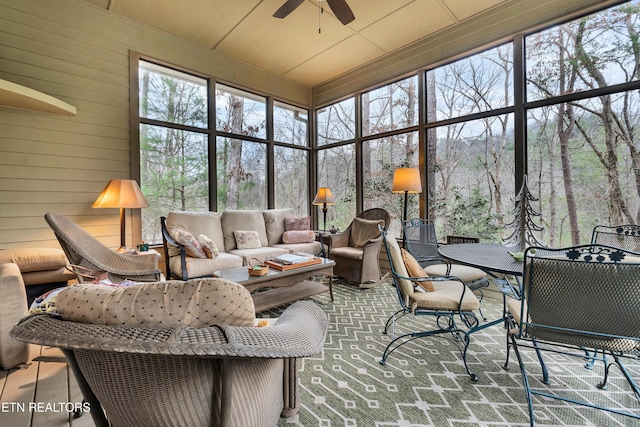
(277, 287)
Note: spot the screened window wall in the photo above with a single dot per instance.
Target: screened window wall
(578, 119)
(559, 106)
(190, 164)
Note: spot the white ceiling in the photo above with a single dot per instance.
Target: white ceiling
(292, 47)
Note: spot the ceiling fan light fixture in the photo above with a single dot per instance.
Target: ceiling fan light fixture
(340, 9)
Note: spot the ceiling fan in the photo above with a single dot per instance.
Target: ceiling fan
(340, 8)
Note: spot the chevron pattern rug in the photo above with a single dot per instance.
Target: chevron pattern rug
(424, 383)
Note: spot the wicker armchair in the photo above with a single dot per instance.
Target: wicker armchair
(179, 353)
(89, 256)
(359, 262)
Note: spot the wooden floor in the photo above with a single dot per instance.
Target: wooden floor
(40, 394)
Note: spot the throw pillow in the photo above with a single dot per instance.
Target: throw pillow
(298, 236)
(415, 270)
(248, 239)
(209, 247)
(300, 223)
(363, 230)
(190, 243)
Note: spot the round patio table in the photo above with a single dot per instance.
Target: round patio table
(490, 257)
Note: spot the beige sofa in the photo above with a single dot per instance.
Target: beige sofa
(42, 269)
(220, 227)
(13, 306)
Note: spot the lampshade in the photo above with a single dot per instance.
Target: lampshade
(323, 196)
(121, 193)
(406, 180)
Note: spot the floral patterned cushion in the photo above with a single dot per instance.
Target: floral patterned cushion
(192, 246)
(208, 246)
(297, 223)
(247, 239)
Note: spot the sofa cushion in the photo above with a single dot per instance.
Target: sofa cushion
(274, 224)
(247, 239)
(314, 248)
(297, 223)
(204, 267)
(210, 248)
(196, 223)
(195, 303)
(190, 243)
(261, 254)
(34, 259)
(363, 230)
(242, 220)
(298, 236)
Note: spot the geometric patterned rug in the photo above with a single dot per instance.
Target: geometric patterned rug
(424, 383)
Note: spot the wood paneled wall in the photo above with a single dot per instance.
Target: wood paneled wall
(79, 53)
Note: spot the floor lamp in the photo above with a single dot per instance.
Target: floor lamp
(324, 198)
(406, 180)
(122, 194)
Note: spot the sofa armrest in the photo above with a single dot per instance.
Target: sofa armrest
(168, 240)
(340, 240)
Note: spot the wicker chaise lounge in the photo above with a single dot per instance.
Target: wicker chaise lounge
(179, 353)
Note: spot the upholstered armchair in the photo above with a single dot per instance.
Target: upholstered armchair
(356, 250)
(179, 353)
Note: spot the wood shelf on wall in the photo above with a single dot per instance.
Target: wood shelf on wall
(17, 96)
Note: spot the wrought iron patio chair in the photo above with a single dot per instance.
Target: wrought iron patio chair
(450, 300)
(88, 256)
(575, 298)
(625, 236)
(421, 241)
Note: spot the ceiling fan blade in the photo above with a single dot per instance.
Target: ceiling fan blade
(342, 11)
(288, 7)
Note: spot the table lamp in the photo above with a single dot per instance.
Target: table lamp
(324, 198)
(406, 180)
(122, 194)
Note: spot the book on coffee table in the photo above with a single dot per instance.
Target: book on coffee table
(283, 266)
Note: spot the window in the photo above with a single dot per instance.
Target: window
(380, 158)
(290, 124)
(173, 144)
(180, 150)
(391, 107)
(242, 174)
(240, 112)
(337, 122)
(337, 170)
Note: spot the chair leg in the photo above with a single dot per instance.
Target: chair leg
(459, 335)
(543, 366)
(525, 379)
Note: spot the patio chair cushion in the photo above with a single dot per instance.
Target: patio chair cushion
(415, 270)
(195, 303)
(406, 287)
(363, 230)
(464, 272)
(445, 296)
